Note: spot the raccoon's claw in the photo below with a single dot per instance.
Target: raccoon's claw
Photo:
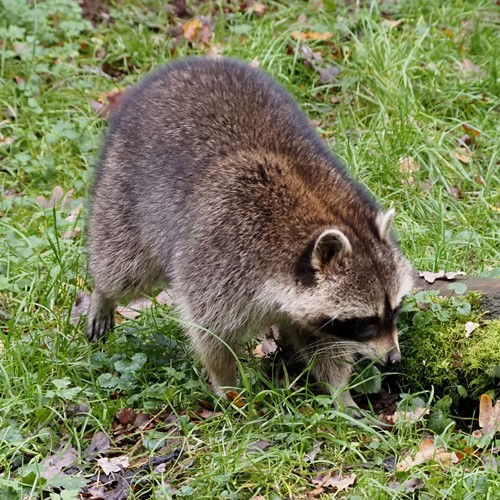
(100, 318)
(98, 329)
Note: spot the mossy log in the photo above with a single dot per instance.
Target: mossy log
(489, 288)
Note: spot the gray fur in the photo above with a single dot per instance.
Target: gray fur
(212, 181)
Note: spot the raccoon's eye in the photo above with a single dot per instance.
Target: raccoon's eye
(360, 329)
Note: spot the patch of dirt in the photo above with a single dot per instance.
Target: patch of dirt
(96, 11)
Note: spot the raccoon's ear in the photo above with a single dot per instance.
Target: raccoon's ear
(384, 224)
(331, 247)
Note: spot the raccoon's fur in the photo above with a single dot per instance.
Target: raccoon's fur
(213, 182)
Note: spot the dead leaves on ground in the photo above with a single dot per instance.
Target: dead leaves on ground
(489, 416)
(108, 103)
(440, 275)
(330, 480)
(428, 453)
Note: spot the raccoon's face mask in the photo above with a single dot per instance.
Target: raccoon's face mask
(359, 290)
(373, 336)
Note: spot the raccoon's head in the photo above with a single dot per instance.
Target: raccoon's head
(350, 288)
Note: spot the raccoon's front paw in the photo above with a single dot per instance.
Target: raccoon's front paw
(100, 318)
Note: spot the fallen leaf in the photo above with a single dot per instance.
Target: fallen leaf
(134, 308)
(115, 464)
(236, 399)
(471, 130)
(440, 275)
(71, 234)
(190, 29)
(468, 66)
(311, 35)
(392, 23)
(165, 298)
(309, 457)
(404, 416)
(268, 344)
(465, 140)
(204, 414)
(258, 8)
(265, 348)
(126, 416)
(5, 141)
(463, 155)
(258, 445)
(489, 415)
(470, 326)
(480, 180)
(408, 165)
(80, 307)
(328, 74)
(456, 192)
(198, 30)
(109, 103)
(329, 480)
(73, 215)
(53, 465)
(426, 453)
(99, 444)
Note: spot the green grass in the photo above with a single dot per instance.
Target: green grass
(400, 93)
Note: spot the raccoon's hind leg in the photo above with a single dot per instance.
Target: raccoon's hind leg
(119, 271)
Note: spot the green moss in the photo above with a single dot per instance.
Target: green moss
(438, 352)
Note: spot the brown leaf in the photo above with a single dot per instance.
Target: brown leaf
(258, 445)
(404, 416)
(99, 444)
(265, 348)
(471, 130)
(190, 29)
(328, 74)
(236, 399)
(334, 480)
(109, 103)
(71, 234)
(115, 464)
(392, 23)
(311, 35)
(5, 141)
(54, 464)
(426, 453)
(468, 66)
(126, 416)
(198, 30)
(480, 180)
(204, 414)
(463, 155)
(73, 215)
(80, 307)
(408, 165)
(134, 308)
(489, 415)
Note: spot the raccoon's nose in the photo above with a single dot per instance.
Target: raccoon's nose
(394, 357)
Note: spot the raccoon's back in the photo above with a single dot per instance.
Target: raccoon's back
(190, 113)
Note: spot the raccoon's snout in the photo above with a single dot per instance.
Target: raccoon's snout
(394, 357)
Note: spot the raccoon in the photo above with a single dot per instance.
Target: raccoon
(213, 182)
